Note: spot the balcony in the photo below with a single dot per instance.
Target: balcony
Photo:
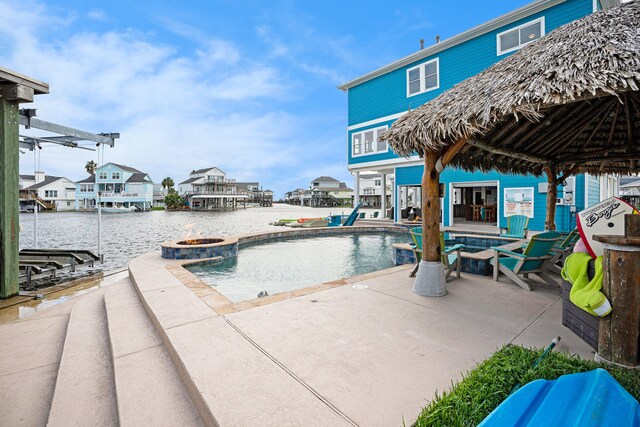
(212, 193)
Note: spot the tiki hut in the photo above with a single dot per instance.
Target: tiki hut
(567, 103)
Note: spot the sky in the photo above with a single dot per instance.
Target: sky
(247, 86)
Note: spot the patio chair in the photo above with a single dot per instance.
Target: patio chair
(450, 259)
(534, 260)
(517, 227)
(561, 248)
(375, 214)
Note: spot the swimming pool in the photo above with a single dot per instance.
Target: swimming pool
(287, 264)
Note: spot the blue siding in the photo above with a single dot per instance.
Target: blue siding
(593, 189)
(387, 94)
(370, 157)
(412, 175)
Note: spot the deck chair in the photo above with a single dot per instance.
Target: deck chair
(562, 247)
(450, 259)
(375, 214)
(534, 259)
(517, 227)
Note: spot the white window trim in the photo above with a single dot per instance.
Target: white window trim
(375, 142)
(526, 24)
(422, 67)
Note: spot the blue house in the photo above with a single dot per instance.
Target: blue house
(121, 188)
(377, 99)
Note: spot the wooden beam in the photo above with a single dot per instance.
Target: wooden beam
(449, 154)
(586, 155)
(508, 153)
(571, 171)
(16, 92)
(10, 76)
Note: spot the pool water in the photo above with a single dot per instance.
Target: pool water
(285, 265)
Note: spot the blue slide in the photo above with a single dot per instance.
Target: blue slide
(352, 218)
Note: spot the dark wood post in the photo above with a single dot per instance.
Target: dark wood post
(619, 336)
(431, 208)
(8, 198)
(552, 197)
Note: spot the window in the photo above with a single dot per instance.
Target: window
(51, 193)
(377, 182)
(368, 142)
(115, 175)
(103, 175)
(515, 38)
(423, 78)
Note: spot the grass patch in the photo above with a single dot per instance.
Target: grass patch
(157, 208)
(489, 384)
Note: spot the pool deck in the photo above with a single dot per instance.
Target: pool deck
(332, 355)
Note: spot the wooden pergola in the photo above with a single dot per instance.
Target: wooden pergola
(565, 104)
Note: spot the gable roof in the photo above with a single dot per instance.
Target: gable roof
(207, 169)
(88, 180)
(124, 168)
(47, 180)
(325, 179)
(27, 177)
(189, 181)
(138, 177)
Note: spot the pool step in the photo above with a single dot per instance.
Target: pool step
(84, 390)
(149, 390)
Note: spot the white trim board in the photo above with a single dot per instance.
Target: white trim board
(376, 121)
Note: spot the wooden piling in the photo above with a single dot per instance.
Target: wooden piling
(431, 208)
(619, 337)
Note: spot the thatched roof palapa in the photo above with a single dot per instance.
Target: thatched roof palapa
(570, 99)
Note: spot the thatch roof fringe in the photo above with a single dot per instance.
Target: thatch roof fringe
(596, 55)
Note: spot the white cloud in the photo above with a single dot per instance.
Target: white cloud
(97, 15)
(176, 110)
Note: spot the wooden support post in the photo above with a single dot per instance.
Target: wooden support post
(552, 198)
(431, 209)
(9, 228)
(430, 279)
(619, 332)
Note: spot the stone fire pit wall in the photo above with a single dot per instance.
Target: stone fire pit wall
(225, 248)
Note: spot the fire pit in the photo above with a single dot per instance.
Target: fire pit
(199, 248)
(199, 241)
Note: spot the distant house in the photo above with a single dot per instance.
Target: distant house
(50, 192)
(371, 191)
(299, 196)
(209, 189)
(159, 193)
(119, 186)
(328, 191)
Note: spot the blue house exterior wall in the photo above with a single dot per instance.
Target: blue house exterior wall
(387, 94)
(371, 103)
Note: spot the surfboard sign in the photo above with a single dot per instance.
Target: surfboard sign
(606, 217)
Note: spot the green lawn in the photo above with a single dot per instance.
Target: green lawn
(484, 388)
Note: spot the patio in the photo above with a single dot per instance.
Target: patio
(369, 356)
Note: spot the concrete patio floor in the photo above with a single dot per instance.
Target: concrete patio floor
(367, 356)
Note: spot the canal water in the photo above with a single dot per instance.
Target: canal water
(128, 235)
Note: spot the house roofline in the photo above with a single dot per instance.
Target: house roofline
(489, 26)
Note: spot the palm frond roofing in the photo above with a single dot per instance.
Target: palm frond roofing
(527, 103)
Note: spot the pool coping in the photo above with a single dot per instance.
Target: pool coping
(223, 305)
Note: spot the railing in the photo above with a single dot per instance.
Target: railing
(207, 193)
(105, 195)
(218, 180)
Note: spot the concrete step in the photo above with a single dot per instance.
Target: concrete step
(29, 361)
(84, 391)
(148, 387)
